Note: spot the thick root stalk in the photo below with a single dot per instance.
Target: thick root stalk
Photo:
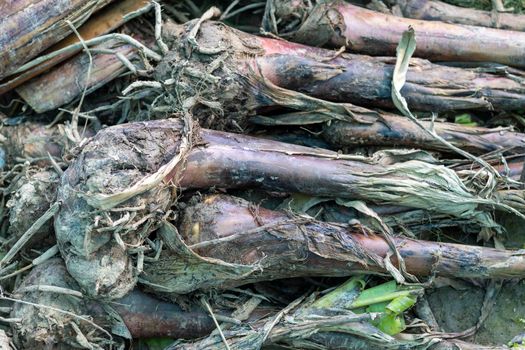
(338, 23)
(148, 317)
(227, 232)
(235, 79)
(113, 161)
(239, 161)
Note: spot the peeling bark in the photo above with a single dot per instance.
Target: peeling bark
(100, 23)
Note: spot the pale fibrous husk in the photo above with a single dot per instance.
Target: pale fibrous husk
(94, 211)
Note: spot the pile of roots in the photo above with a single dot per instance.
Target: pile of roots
(284, 174)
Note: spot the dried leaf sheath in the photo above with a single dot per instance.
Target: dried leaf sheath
(27, 27)
(100, 23)
(65, 83)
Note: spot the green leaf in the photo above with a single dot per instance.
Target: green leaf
(343, 296)
(465, 119)
(391, 324)
(378, 307)
(359, 310)
(393, 321)
(375, 294)
(384, 292)
(400, 304)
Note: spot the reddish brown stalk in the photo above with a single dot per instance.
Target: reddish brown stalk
(27, 27)
(338, 23)
(100, 23)
(394, 131)
(227, 160)
(278, 245)
(65, 83)
(243, 84)
(148, 317)
(435, 10)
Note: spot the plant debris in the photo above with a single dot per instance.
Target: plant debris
(278, 174)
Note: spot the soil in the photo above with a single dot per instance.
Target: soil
(457, 310)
